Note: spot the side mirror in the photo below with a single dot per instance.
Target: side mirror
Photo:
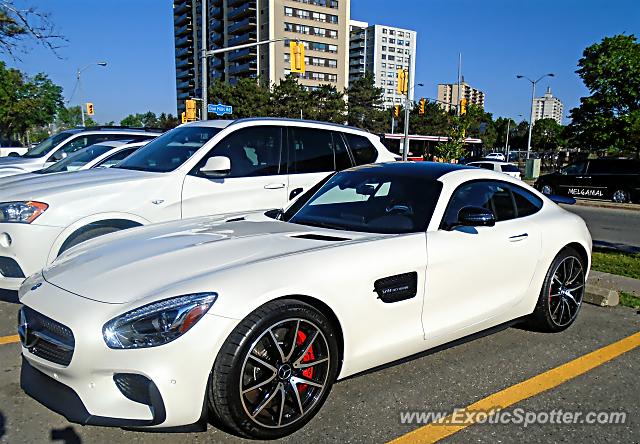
(217, 166)
(476, 217)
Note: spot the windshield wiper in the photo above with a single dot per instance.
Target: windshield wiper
(315, 223)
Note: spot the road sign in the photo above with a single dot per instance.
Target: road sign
(220, 109)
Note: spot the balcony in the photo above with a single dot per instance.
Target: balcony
(242, 26)
(241, 12)
(217, 38)
(184, 63)
(356, 62)
(215, 13)
(356, 71)
(186, 51)
(184, 73)
(186, 84)
(215, 63)
(181, 7)
(244, 69)
(183, 95)
(356, 45)
(184, 41)
(179, 32)
(181, 20)
(231, 3)
(242, 54)
(215, 25)
(244, 38)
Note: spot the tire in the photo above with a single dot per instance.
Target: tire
(546, 189)
(257, 389)
(85, 236)
(621, 196)
(561, 295)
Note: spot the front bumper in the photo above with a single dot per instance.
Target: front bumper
(85, 391)
(29, 247)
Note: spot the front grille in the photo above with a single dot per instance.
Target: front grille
(10, 268)
(45, 337)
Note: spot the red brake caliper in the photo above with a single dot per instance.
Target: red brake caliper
(307, 373)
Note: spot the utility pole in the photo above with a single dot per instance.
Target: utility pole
(405, 150)
(459, 81)
(205, 96)
(506, 143)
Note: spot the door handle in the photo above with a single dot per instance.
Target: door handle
(518, 237)
(274, 186)
(295, 192)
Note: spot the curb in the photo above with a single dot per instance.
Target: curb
(609, 205)
(603, 297)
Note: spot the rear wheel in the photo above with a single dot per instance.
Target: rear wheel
(275, 371)
(562, 293)
(621, 196)
(546, 189)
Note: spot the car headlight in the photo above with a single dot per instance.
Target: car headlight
(157, 323)
(21, 212)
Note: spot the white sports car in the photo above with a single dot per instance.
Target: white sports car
(248, 320)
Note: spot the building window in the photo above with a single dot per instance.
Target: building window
(392, 40)
(384, 57)
(384, 65)
(384, 30)
(384, 48)
(392, 32)
(303, 29)
(400, 42)
(384, 40)
(325, 3)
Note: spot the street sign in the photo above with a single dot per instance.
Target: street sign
(220, 109)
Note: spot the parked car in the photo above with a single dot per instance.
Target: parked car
(606, 178)
(57, 147)
(510, 169)
(102, 155)
(11, 148)
(269, 309)
(201, 168)
(495, 156)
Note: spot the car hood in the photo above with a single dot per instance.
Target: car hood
(143, 262)
(40, 186)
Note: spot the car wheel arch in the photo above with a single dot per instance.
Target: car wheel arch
(327, 311)
(582, 251)
(119, 224)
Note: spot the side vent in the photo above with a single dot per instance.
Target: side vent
(236, 219)
(397, 288)
(321, 237)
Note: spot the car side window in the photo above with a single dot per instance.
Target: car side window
(310, 150)
(84, 141)
(492, 195)
(117, 157)
(363, 150)
(527, 203)
(575, 169)
(253, 151)
(343, 161)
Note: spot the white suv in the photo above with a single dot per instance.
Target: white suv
(58, 146)
(201, 168)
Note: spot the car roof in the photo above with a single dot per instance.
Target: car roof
(223, 123)
(429, 170)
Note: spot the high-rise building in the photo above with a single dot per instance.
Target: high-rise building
(448, 97)
(548, 107)
(382, 51)
(322, 25)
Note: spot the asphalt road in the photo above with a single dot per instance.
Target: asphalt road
(611, 227)
(367, 408)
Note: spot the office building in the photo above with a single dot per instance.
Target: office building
(322, 25)
(548, 107)
(382, 51)
(448, 97)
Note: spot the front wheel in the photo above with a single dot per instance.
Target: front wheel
(621, 196)
(546, 189)
(275, 370)
(561, 294)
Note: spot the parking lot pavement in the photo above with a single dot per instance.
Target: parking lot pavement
(367, 408)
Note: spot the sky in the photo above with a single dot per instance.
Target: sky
(497, 39)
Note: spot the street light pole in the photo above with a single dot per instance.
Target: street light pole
(79, 87)
(533, 96)
(203, 27)
(405, 149)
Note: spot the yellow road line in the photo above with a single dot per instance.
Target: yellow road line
(9, 339)
(511, 395)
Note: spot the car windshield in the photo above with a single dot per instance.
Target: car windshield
(169, 151)
(371, 201)
(46, 145)
(77, 160)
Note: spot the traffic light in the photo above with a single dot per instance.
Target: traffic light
(396, 111)
(423, 103)
(403, 81)
(463, 107)
(190, 112)
(90, 111)
(184, 117)
(296, 57)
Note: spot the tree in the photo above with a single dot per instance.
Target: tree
(290, 99)
(19, 24)
(364, 105)
(546, 135)
(479, 124)
(328, 104)
(167, 121)
(71, 117)
(249, 98)
(609, 118)
(501, 125)
(26, 102)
